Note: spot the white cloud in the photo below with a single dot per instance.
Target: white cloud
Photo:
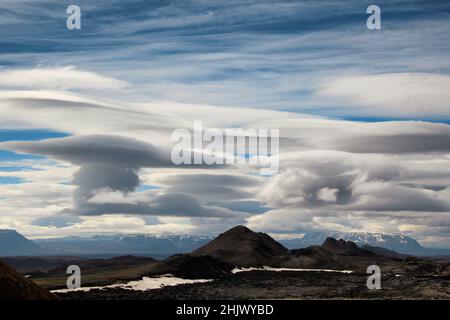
(335, 174)
(392, 94)
(327, 194)
(107, 224)
(63, 78)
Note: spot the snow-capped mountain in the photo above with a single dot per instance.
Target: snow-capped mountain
(124, 244)
(396, 242)
(12, 243)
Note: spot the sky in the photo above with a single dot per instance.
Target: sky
(86, 116)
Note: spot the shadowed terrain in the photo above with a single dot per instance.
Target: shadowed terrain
(14, 286)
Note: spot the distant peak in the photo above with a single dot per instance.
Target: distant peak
(332, 241)
(241, 246)
(239, 229)
(333, 245)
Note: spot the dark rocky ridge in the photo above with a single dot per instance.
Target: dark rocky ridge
(242, 247)
(344, 247)
(385, 252)
(14, 286)
(194, 267)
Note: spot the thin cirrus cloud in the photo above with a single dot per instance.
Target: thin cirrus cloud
(252, 53)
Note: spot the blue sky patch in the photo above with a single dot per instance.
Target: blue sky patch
(29, 135)
(25, 135)
(147, 187)
(11, 180)
(16, 168)
(13, 156)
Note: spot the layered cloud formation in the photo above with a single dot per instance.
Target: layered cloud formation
(335, 174)
(363, 117)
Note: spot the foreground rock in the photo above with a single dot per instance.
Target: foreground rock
(14, 286)
(192, 267)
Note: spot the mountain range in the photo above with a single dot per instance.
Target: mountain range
(14, 244)
(395, 242)
(238, 247)
(242, 247)
(159, 246)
